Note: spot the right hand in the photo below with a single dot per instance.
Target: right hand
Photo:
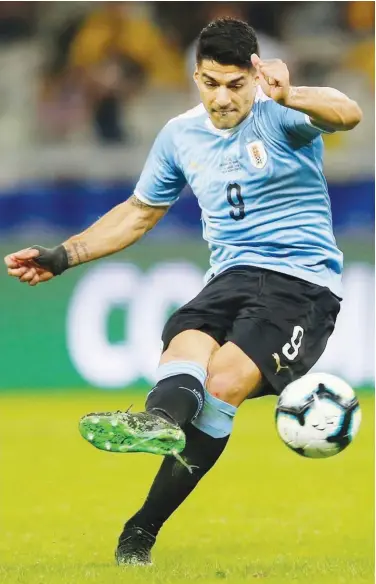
(22, 265)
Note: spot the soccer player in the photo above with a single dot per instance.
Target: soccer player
(252, 153)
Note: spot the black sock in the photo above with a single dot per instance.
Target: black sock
(174, 483)
(178, 398)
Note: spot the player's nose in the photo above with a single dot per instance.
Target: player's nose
(223, 97)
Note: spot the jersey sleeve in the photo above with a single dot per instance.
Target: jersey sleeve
(161, 179)
(300, 125)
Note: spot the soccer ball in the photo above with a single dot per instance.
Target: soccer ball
(318, 415)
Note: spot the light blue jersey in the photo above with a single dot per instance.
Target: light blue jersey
(260, 186)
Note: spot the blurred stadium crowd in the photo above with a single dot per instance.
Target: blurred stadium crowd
(94, 74)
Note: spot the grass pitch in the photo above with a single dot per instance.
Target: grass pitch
(263, 514)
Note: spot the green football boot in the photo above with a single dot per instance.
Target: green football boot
(127, 432)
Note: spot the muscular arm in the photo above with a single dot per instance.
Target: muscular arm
(125, 224)
(119, 228)
(327, 108)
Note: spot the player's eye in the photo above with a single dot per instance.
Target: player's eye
(209, 84)
(237, 86)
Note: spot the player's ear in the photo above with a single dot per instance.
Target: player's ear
(195, 75)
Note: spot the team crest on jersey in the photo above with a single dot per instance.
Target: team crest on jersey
(257, 154)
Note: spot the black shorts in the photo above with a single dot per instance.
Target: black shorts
(282, 323)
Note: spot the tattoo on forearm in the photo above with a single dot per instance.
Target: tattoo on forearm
(77, 253)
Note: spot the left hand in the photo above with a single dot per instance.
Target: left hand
(24, 265)
(273, 77)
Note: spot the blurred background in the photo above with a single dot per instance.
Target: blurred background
(84, 89)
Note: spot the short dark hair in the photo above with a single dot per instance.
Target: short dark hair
(227, 41)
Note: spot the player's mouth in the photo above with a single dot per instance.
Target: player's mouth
(224, 113)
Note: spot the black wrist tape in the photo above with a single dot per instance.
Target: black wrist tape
(54, 260)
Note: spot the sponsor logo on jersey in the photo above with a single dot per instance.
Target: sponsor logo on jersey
(257, 154)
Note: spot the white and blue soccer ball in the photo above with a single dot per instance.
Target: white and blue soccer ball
(318, 415)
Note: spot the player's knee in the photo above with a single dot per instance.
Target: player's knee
(190, 346)
(227, 386)
(234, 385)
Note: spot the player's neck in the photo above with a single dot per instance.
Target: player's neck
(248, 112)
